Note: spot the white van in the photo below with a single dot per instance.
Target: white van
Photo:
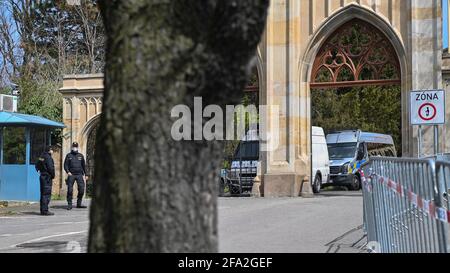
(320, 159)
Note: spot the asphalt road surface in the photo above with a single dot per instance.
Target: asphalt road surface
(24, 230)
(330, 222)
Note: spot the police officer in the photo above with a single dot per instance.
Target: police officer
(75, 167)
(46, 168)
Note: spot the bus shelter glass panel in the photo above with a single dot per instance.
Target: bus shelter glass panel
(13, 168)
(14, 146)
(39, 140)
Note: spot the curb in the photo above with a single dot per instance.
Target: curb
(13, 204)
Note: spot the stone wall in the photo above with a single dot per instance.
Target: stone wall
(57, 158)
(445, 130)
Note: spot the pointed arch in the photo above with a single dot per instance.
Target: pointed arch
(86, 131)
(331, 25)
(355, 55)
(336, 21)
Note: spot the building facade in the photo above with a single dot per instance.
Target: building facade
(296, 36)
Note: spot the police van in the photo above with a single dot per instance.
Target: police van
(244, 166)
(349, 152)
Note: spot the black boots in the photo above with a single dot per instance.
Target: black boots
(47, 213)
(79, 206)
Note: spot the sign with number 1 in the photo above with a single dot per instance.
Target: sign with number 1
(428, 107)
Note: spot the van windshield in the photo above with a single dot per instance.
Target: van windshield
(341, 151)
(248, 150)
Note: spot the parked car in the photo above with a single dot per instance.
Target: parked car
(349, 152)
(320, 159)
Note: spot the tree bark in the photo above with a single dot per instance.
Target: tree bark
(152, 193)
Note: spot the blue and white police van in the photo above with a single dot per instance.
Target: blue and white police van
(349, 152)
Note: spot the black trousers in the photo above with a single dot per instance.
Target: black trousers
(80, 186)
(46, 192)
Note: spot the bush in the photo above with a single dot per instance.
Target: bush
(372, 109)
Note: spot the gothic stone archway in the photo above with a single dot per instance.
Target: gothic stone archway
(91, 137)
(357, 65)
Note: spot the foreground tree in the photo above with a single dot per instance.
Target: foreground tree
(152, 193)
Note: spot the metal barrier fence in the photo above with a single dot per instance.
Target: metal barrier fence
(406, 205)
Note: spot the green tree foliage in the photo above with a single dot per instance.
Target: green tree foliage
(40, 99)
(57, 38)
(14, 146)
(45, 40)
(373, 109)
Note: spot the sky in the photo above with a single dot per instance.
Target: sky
(445, 23)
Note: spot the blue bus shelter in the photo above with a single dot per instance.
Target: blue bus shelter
(23, 139)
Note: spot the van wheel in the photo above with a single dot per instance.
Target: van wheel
(221, 187)
(356, 184)
(317, 185)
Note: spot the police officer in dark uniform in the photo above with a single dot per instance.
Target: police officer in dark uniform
(75, 167)
(46, 168)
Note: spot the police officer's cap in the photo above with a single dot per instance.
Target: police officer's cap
(75, 144)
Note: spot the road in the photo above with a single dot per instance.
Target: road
(329, 222)
(24, 230)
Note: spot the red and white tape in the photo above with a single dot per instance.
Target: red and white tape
(428, 206)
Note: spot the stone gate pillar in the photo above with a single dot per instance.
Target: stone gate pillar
(426, 61)
(287, 166)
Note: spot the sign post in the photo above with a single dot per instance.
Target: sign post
(419, 149)
(428, 108)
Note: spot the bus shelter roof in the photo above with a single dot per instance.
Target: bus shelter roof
(17, 119)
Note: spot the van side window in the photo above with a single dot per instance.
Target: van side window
(361, 150)
(378, 149)
(372, 149)
(248, 150)
(389, 153)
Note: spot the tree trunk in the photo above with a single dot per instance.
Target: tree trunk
(152, 193)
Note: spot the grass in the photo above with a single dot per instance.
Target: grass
(8, 213)
(56, 197)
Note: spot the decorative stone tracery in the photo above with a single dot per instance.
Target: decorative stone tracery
(356, 54)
